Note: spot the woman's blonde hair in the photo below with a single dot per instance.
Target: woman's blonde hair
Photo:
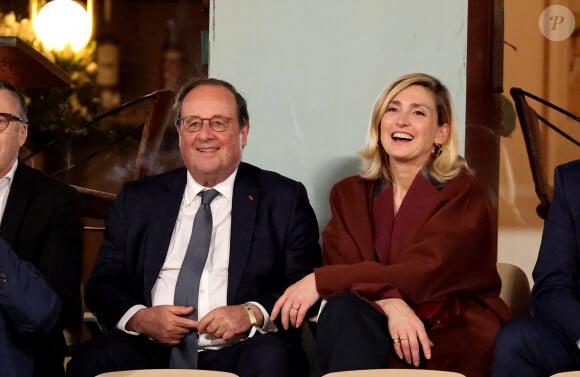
(442, 168)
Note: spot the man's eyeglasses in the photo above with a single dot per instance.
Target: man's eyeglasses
(6, 118)
(193, 123)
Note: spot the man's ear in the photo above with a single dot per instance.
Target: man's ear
(244, 134)
(22, 135)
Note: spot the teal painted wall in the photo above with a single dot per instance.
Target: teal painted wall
(311, 71)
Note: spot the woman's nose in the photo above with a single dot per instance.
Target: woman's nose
(402, 118)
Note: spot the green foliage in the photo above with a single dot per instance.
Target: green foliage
(57, 112)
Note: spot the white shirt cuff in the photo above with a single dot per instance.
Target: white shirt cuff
(268, 325)
(121, 325)
(322, 305)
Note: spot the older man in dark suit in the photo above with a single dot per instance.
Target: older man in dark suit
(264, 237)
(548, 342)
(41, 222)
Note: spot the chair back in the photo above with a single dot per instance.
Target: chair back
(394, 373)
(95, 209)
(167, 373)
(153, 131)
(515, 288)
(533, 139)
(531, 123)
(128, 142)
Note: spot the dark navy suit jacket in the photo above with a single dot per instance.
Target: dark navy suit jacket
(28, 308)
(274, 241)
(556, 292)
(42, 224)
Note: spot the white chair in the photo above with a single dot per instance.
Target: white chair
(515, 288)
(394, 373)
(167, 373)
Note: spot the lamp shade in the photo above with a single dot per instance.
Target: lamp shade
(63, 22)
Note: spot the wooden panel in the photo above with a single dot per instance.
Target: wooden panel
(483, 115)
(24, 67)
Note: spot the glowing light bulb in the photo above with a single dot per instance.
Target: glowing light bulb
(63, 22)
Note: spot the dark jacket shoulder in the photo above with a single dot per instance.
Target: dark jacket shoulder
(270, 178)
(39, 182)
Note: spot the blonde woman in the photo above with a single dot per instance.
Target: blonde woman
(409, 261)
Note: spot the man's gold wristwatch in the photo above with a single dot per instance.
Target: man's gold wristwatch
(253, 320)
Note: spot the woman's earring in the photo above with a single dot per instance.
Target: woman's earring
(436, 150)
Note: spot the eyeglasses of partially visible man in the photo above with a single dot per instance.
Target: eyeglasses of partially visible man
(6, 118)
(193, 123)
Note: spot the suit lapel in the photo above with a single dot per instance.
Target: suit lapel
(16, 205)
(244, 208)
(160, 228)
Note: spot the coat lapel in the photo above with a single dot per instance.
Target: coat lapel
(383, 222)
(365, 222)
(415, 208)
(16, 205)
(160, 228)
(245, 202)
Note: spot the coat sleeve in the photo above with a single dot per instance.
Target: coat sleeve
(25, 297)
(451, 252)
(61, 253)
(290, 233)
(348, 236)
(556, 283)
(110, 290)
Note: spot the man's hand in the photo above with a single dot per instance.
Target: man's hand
(164, 323)
(228, 322)
(407, 331)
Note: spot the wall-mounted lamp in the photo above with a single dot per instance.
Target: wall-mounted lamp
(64, 22)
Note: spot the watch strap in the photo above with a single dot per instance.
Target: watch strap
(253, 320)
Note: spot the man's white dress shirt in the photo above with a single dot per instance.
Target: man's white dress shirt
(213, 285)
(5, 184)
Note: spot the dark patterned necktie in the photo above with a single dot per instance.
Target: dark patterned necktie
(184, 355)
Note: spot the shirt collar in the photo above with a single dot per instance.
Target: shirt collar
(225, 188)
(10, 175)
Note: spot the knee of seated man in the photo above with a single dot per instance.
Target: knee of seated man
(274, 353)
(515, 334)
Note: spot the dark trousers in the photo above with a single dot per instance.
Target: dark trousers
(351, 334)
(259, 356)
(530, 347)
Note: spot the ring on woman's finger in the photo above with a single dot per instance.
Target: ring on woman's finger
(396, 340)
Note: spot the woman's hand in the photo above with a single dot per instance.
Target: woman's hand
(407, 331)
(295, 302)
